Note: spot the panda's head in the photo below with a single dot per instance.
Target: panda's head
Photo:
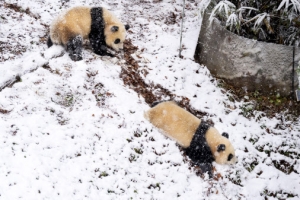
(115, 35)
(221, 147)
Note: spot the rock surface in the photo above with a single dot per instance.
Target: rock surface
(246, 63)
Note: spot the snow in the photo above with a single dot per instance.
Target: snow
(73, 130)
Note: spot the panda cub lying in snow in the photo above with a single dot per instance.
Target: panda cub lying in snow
(97, 24)
(203, 144)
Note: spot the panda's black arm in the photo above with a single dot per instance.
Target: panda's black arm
(206, 167)
(199, 151)
(96, 36)
(103, 51)
(98, 45)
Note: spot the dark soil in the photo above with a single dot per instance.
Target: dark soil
(271, 105)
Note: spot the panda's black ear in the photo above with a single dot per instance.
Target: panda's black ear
(224, 134)
(114, 28)
(221, 147)
(127, 27)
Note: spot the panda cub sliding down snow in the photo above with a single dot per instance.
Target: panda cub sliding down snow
(203, 144)
(97, 24)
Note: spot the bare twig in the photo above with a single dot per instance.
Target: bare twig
(268, 25)
(250, 20)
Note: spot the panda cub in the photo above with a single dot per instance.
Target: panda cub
(97, 24)
(202, 143)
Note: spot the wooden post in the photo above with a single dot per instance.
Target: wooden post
(181, 29)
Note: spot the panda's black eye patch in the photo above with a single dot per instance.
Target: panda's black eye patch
(230, 157)
(114, 28)
(221, 147)
(117, 41)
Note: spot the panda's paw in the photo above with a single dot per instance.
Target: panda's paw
(155, 103)
(103, 51)
(206, 167)
(109, 54)
(75, 57)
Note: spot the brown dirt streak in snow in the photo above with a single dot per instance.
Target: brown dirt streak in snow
(134, 80)
(19, 9)
(3, 111)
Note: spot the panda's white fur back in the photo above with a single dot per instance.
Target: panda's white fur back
(180, 125)
(72, 22)
(174, 122)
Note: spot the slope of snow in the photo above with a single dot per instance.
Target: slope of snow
(73, 130)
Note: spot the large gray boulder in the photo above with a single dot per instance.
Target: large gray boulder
(246, 63)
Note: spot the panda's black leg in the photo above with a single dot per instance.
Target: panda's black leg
(49, 42)
(74, 48)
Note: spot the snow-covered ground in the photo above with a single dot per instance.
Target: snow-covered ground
(73, 130)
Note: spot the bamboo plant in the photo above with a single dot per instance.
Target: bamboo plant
(276, 21)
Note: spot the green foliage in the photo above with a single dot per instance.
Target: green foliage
(264, 20)
(278, 194)
(138, 150)
(247, 109)
(236, 178)
(252, 165)
(103, 174)
(132, 158)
